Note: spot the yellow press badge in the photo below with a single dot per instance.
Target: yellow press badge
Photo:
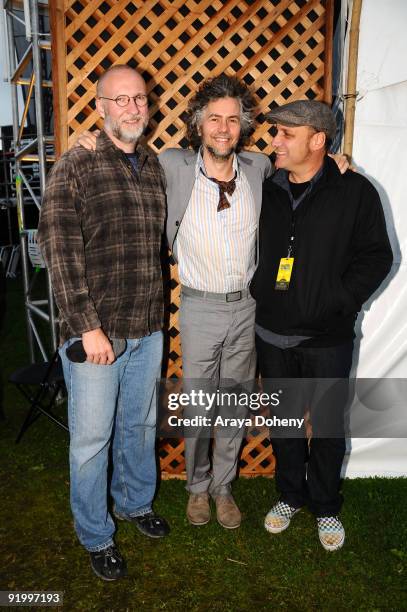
(284, 273)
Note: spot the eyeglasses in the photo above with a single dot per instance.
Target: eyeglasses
(139, 99)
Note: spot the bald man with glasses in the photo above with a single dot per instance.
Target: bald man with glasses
(100, 232)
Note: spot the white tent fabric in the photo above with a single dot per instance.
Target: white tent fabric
(380, 152)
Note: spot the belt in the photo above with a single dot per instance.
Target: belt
(233, 296)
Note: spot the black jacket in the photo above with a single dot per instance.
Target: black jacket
(341, 255)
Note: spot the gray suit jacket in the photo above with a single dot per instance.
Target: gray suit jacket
(179, 168)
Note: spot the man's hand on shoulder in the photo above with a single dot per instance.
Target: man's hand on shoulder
(87, 140)
(97, 347)
(341, 161)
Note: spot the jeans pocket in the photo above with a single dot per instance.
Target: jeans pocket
(68, 343)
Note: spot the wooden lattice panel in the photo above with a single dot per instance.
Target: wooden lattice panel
(277, 47)
(174, 357)
(282, 49)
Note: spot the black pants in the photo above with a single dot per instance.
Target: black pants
(318, 485)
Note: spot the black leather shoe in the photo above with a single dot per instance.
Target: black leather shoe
(149, 524)
(108, 563)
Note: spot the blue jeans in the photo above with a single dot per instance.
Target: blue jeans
(112, 405)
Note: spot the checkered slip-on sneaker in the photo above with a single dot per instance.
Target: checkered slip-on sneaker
(331, 532)
(279, 517)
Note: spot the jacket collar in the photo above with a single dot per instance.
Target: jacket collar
(329, 173)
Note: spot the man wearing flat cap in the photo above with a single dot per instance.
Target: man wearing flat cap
(324, 250)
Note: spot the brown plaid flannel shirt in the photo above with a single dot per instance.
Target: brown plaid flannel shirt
(100, 232)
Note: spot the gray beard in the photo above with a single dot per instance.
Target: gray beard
(220, 156)
(128, 138)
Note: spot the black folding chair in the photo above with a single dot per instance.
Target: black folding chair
(40, 384)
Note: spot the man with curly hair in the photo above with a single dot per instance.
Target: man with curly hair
(214, 202)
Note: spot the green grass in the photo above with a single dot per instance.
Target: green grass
(194, 569)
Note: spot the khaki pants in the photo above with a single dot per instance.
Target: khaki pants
(217, 339)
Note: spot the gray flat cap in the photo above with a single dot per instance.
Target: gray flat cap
(305, 112)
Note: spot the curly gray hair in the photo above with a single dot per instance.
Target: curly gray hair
(222, 86)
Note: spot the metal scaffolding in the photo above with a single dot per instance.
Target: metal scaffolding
(25, 71)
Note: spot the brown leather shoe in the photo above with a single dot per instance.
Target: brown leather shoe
(198, 509)
(227, 512)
